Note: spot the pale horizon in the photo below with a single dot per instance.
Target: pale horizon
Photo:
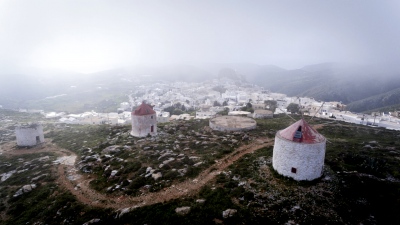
(89, 36)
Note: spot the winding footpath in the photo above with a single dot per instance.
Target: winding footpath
(79, 184)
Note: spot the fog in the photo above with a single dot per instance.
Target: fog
(94, 35)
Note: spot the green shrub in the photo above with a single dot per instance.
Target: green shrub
(137, 183)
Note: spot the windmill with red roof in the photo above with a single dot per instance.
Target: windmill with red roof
(299, 152)
(144, 121)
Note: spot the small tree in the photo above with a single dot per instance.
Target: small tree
(216, 103)
(248, 108)
(225, 112)
(178, 105)
(272, 105)
(249, 105)
(293, 108)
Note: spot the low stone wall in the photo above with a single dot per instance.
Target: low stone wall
(232, 123)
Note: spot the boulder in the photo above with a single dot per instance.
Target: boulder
(164, 155)
(18, 193)
(113, 172)
(44, 158)
(229, 213)
(124, 211)
(182, 172)
(200, 201)
(194, 158)
(168, 161)
(197, 164)
(25, 189)
(38, 177)
(111, 149)
(156, 176)
(92, 221)
(182, 210)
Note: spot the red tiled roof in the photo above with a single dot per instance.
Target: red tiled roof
(143, 109)
(308, 134)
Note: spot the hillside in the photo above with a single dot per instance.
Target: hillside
(205, 172)
(67, 91)
(362, 88)
(330, 82)
(390, 99)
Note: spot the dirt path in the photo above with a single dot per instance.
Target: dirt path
(186, 188)
(70, 179)
(10, 149)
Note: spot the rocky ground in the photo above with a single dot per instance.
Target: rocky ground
(127, 165)
(189, 174)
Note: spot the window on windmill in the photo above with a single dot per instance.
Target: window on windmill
(294, 170)
(298, 134)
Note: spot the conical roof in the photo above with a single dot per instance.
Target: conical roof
(300, 131)
(143, 109)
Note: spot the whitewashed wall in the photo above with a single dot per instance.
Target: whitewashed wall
(308, 159)
(141, 125)
(26, 136)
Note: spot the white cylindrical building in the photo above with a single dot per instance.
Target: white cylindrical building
(29, 135)
(299, 152)
(144, 121)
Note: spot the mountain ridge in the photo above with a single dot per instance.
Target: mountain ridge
(354, 85)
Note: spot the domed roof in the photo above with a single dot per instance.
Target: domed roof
(300, 131)
(143, 109)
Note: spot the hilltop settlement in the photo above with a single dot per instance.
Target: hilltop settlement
(184, 101)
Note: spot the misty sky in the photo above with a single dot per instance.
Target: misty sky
(92, 35)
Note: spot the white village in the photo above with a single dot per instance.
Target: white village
(205, 100)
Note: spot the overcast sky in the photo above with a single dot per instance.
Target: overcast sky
(92, 35)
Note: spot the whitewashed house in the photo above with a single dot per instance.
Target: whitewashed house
(205, 114)
(261, 114)
(163, 117)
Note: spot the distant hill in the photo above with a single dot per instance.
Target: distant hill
(33, 88)
(362, 88)
(29, 84)
(390, 100)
